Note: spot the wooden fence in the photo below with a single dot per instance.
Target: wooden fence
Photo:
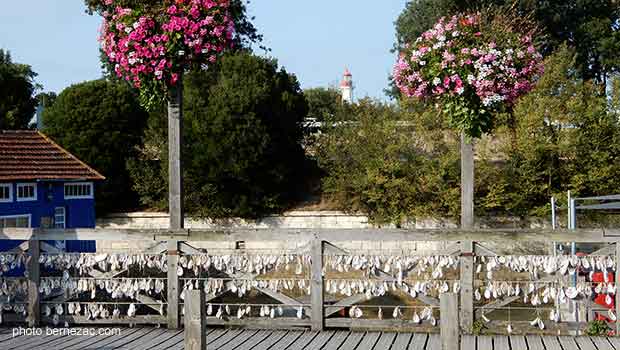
(318, 285)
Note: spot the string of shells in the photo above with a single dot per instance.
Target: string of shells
(90, 311)
(86, 262)
(242, 287)
(244, 310)
(396, 265)
(9, 262)
(536, 264)
(551, 292)
(13, 288)
(253, 264)
(375, 288)
(117, 288)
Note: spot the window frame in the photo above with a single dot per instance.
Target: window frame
(10, 187)
(89, 184)
(29, 216)
(64, 217)
(26, 199)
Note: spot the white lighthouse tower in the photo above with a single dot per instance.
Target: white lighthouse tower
(346, 86)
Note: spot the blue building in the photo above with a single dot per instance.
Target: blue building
(43, 185)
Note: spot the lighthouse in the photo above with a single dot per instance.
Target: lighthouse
(346, 86)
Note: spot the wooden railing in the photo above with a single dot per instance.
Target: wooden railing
(463, 247)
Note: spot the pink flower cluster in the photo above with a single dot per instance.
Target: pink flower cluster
(454, 59)
(149, 50)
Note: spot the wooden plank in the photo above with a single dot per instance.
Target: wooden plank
(320, 340)
(568, 343)
(260, 322)
(434, 342)
(287, 340)
(224, 339)
(467, 183)
(601, 343)
(401, 342)
(585, 343)
(517, 342)
(449, 322)
(215, 334)
(551, 343)
(480, 250)
(337, 340)
(385, 341)
(352, 340)
(34, 279)
(188, 249)
(172, 284)
(259, 337)
(301, 342)
(501, 342)
(270, 340)
(239, 340)
(468, 342)
(100, 341)
(467, 286)
(534, 342)
(159, 339)
(615, 342)
(418, 341)
(316, 285)
(195, 321)
(486, 342)
(141, 335)
(368, 341)
(226, 234)
(177, 340)
(31, 342)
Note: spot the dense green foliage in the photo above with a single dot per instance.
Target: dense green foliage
(324, 103)
(17, 88)
(101, 123)
(566, 139)
(243, 133)
(592, 28)
(389, 168)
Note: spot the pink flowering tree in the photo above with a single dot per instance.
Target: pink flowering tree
(151, 44)
(474, 68)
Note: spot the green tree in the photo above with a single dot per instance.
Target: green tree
(101, 123)
(17, 93)
(592, 28)
(388, 166)
(566, 139)
(323, 103)
(243, 154)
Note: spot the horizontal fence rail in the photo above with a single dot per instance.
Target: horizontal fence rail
(505, 280)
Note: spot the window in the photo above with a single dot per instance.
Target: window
(6, 193)
(26, 192)
(21, 221)
(77, 190)
(59, 217)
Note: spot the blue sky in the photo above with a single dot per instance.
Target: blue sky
(315, 39)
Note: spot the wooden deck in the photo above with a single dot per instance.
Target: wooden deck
(228, 339)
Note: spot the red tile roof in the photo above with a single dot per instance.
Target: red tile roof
(30, 155)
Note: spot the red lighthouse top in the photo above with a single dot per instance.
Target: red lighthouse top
(346, 80)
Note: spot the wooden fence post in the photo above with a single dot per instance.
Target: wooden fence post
(316, 284)
(467, 286)
(173, 284)
(175, 166)
(467, 183)
(449, 321)
(195, 321)
(34, 277)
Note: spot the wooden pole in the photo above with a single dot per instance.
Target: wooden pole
(34, 276)
(173, 284)
(467, 286)
(195, 320)
(316, 292)
(449, 322)
(175, 141)
(467, 183)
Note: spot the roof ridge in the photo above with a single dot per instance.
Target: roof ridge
(101, 177)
